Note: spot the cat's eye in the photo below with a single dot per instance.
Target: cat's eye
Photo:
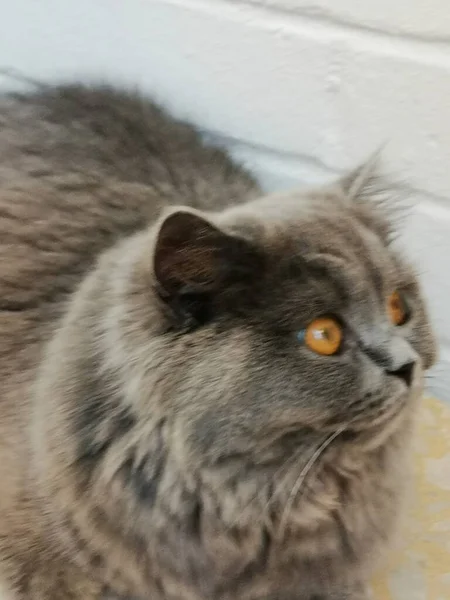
(323, 336)
(397, 309)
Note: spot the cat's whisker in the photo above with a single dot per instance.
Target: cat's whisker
(283, 472)
(302, 477)
(287, 469)
(283, 467)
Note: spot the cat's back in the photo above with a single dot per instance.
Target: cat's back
(83, 166)
(115, 134)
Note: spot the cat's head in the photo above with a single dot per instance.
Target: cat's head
(289, 314)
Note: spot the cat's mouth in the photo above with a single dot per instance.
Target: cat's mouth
(384, 412)
(373, 417)
(363, 419)
(376, 428)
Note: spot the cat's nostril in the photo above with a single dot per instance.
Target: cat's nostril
(405, 372)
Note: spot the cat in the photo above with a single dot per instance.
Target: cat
(208, 393)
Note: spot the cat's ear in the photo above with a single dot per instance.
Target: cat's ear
(193, 254)
(379, 199)
(362, 182)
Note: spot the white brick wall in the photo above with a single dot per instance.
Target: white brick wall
(299, 89)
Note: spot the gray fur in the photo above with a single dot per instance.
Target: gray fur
(161, 424)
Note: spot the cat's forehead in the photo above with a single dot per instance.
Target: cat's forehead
(284, 207)
(322, 221)
(321, 228)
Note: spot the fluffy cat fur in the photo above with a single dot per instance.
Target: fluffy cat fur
(164, 434)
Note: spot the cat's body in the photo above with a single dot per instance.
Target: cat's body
(159, 421)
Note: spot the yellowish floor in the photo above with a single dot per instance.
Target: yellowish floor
(420, 568)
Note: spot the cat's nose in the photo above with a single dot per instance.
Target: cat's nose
(405, 372)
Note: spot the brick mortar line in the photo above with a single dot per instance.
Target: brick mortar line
(332, 18)
(291, 158)
(434, 52)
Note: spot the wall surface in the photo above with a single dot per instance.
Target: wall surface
(298, 89)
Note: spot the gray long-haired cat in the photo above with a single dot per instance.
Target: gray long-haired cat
(204, 403)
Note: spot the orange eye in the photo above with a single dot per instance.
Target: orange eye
(397, 309)
(324, 336)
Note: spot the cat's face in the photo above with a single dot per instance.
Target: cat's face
(254, 360)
